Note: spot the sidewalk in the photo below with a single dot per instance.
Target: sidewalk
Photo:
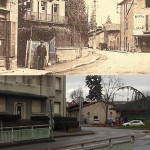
(56, 68)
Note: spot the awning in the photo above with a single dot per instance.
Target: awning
(6, 93)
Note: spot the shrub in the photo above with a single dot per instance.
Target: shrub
(40, 118)
(6, 117)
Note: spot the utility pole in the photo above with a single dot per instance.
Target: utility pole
(94, 25)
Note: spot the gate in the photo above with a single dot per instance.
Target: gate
(31, 53)
(52, 51)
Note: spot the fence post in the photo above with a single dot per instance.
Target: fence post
(132, 139)
(12, 135)
(32, 131)
(110, 143)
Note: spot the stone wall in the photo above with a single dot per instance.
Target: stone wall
(65, 54)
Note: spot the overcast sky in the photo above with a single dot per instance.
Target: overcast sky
(105, 8)
(141, 83)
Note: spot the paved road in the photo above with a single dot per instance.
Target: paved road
(117, 63)
(100, 133)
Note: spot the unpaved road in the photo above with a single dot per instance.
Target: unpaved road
(102, 63)
(117, 63)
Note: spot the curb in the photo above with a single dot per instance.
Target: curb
(75, 134)
(28, 142)
(75, 66)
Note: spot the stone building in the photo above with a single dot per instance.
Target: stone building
(46, 12)
(91, 111)
(112, 35)
(107, 37)
(8, 33)
(31, 95)
(135, 25)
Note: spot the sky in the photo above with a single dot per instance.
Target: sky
(141, 83)
(105, 8)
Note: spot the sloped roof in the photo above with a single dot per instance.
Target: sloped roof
(112, 27)
(122, 2)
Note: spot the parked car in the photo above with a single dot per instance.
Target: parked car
(96, 121)
(133, 123)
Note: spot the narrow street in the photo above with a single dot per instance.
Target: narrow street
(117, 63)
(98, 62)
(100, 133)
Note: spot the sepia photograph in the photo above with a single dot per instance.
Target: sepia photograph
(76, 37)
(75, 74)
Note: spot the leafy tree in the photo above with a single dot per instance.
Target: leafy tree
(23, 5)
(95, 89)
(77, 95)
(78, 17)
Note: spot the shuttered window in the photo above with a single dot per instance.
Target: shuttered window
(11, 38)
(58, 84)
(2, 104)
(36, 106)
(147, 2)
(56, 108)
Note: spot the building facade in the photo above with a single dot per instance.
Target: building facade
(46, 11)
(135, 25)
(107, 37)
(91, 111)
(8, 33)
(31, 95)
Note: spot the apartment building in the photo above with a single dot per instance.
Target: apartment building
(32, 95)
(135, 25)
(8, 33)
(46, 11)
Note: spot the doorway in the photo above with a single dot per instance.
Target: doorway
(20, 110)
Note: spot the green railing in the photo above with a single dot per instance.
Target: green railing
(116, 143)
(24, 133)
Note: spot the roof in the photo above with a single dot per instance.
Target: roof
(122, 2)
(112, 27)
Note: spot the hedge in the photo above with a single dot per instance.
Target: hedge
(65, 123)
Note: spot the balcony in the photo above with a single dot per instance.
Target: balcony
(42, 17)
(26, 88)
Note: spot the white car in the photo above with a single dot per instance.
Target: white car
(133, 123)
(96, 121)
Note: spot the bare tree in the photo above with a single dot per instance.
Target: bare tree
(77, 95)
(110, 85)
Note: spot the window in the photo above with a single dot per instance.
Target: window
(95, 117)
(36, 106)
(56, 108)
(147, 3)
(56, 8)
(19, 79)
(2, 104)
(43, 6)
(58, 84)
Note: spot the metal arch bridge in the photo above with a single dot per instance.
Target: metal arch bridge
(136, 94)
